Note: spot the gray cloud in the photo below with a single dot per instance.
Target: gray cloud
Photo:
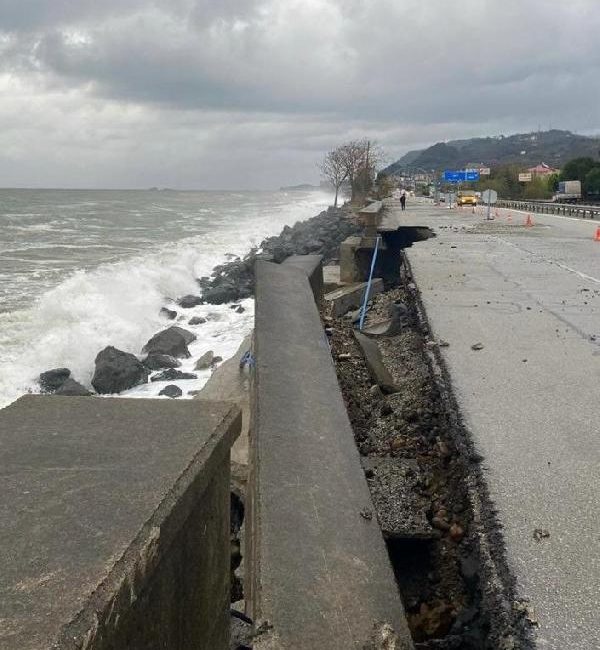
(280, 80)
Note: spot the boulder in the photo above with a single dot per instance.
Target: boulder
(219, 295)
(205, 361)
(239, 309)
(160, 361)
(189, 301)
(173, 341)
(197, 320)
(117, 371)
(171, 391)
(73, 388)
(171, 375)
(188, 336)
(170, 314)
(52, 380)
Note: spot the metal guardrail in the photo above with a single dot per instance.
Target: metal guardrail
(544, 207)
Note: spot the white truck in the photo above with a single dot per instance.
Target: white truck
(568, 192)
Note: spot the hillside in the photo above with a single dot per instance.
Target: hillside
(554, 147)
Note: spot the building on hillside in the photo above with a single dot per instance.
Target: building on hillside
(542, 170)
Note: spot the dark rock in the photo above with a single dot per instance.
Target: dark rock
(73, 388)
(322, 234)
(220, 294)
(171, 391)
(196, 320)
(171, 375)
(173, 341)
(189, 301)
(205, 361)
(188, 336)
(216, 360)
(160, 361)
(239, 309)
(117, 371)
(52, 380)
(170, 314)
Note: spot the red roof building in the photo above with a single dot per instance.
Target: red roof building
(542, 170)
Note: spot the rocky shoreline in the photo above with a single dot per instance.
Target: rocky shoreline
(321, 235)
(159, 359)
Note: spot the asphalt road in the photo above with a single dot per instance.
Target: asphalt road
(531, 395)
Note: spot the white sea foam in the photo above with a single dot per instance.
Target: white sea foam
(118, 304)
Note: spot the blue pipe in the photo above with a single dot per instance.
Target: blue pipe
(363, 309)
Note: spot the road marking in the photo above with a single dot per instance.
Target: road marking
(583, 276)
(579, 273)
(556, 216)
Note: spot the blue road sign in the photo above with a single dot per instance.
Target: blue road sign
(451, 176)
(461, 175)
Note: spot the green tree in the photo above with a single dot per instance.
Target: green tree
(591, 184)
(577, 169)
(552, 181)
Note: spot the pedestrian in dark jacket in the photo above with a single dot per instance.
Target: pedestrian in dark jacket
(403, 200)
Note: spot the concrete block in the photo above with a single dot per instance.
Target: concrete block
(312, 266)
(349, 272)
(331, 278)
(319, 569)
(114, 521)
(349, 297)
(375, 363)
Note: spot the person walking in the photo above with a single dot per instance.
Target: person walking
(403, 199)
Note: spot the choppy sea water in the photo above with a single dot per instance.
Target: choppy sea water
(80, 270)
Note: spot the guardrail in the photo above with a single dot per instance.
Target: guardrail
(543, 207)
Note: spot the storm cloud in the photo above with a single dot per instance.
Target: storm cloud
(209, 93)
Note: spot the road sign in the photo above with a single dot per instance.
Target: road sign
(489, 196)
(461, 175)
(525, 177)
(484, 171)
(452, 176)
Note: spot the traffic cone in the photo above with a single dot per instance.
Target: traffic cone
(597, 235)
(529, 221)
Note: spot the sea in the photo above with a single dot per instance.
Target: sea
(83, 269)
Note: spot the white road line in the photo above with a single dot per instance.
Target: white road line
(583, 276)
(556, 216)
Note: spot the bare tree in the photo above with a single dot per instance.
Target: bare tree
(361, 159)
(356, 162)
(333, 169)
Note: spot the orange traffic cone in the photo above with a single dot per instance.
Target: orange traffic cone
(597, 235)
(529, 221)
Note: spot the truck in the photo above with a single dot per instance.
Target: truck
(568, 192)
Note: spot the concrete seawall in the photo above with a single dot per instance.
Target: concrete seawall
(319, 570)
(115, 523)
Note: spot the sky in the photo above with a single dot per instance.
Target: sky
(249, 94)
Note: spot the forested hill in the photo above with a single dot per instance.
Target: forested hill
(527, 149)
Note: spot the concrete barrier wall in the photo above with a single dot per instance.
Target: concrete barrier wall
(317, 567)
(114, 521)
(312, 266)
